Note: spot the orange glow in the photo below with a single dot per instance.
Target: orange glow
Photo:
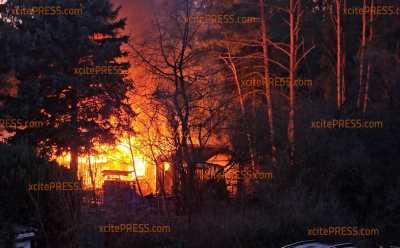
(140, 166)
(166, 166)
(114, 158)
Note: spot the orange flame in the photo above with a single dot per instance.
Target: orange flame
(113, 158)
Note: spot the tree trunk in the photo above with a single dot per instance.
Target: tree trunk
(362, 55)
(243, 112)
(264, 33)
(74, 149)
(92, 178)
(184, 112)
(134, 167)
(240, 185)
(292, 72)
(74, 161)
(339, 81)
(343, 78)
(189, 183)
(371, 35)
(76, 198)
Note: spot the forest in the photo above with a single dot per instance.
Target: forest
(199, 123)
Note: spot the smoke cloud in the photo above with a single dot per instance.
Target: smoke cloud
(138, 14)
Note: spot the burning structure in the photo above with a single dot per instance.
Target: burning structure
(113, 171)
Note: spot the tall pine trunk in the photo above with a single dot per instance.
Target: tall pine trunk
(343, 79)
(339, 71)
(371, 36)
(74, 145)
(264, 33)
(74, 161)
(76, 200)
(248, 136)
(292, 74)
(362, 54)
(343, 59)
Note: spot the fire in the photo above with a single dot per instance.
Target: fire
(118, 158)
(140, 165)
(166, 166)
(139, 160)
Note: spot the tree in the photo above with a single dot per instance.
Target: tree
(77, 108)
(20, 167)
(370, 38)
(363, 44)
(291, 50)
(266, 60)
(232, 66)
(185, 92)
(340, 58)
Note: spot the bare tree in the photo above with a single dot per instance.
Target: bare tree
(370, 38)
(260, 40)
(295, 14)
(362, 54)
(291, 50)
(268, 96)
(185, 89)
(229, 62)
(340, 53)
(92, 174)
(134, 165)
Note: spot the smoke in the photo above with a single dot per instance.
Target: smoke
(138, 13)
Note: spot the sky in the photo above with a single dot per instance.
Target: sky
(138, 13)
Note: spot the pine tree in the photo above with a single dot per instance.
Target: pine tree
(76, 108)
